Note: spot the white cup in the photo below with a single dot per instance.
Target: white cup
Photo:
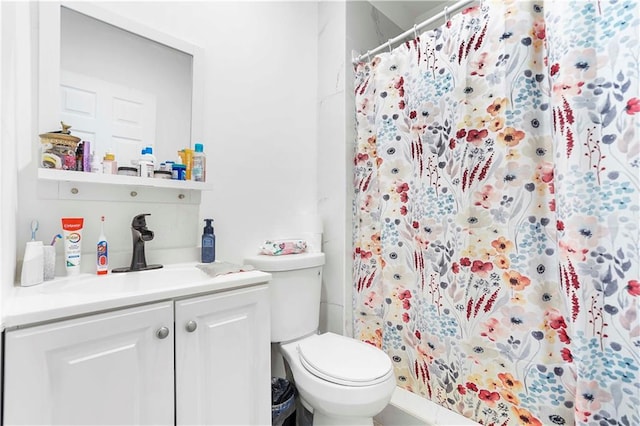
(32, 264)
(49, 262)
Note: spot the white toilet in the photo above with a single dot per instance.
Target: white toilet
(342, 381)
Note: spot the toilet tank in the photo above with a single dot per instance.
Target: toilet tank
(294, 293)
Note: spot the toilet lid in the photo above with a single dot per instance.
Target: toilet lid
(344, 361)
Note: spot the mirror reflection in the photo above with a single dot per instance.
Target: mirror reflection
(123, 92)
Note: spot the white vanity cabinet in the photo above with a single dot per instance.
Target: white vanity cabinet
(110, 368)
(223, 364)
(128, 366)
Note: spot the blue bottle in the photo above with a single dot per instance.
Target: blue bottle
(208, 243)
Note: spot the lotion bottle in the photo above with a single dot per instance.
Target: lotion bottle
(199, 170)
(208, 243)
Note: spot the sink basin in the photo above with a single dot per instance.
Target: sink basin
(167, 277)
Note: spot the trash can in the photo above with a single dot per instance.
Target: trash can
(283, 402)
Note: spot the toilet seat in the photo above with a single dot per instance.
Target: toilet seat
(344, 361)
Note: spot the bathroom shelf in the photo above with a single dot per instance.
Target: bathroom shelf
(85, 177)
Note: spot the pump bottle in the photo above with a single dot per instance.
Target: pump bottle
(208, 243)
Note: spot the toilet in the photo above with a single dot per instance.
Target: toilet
(342, 381)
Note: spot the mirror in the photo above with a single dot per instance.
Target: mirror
(119, 84)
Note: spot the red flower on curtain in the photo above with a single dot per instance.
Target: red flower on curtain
(633, 287)
(633, 106)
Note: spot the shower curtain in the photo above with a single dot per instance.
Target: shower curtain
(496, 212)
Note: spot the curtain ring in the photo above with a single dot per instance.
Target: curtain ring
(446, 14)
(389, 44)
(415, 31)
(368, 56)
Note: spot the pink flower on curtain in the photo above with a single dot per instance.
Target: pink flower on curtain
(525, 417)
(633, 287)
(476, 137)
(497, 107)
(510, 136)
(502, 245)
(516, 280)
(486, 197)
(633, 106)
(493, 330)
(489, 397)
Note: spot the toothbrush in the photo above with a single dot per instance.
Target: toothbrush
(55, 238)
(34, 227)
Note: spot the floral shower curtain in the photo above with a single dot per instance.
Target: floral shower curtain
(496, 214)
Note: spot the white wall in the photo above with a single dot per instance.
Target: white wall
(260, 112)
(343, 26)
(333, 179)
(16, 111)
(260, 133)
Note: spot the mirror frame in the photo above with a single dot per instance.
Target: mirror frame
(49, 61)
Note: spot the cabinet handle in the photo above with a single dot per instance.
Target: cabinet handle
(191, 326)
(162, 333)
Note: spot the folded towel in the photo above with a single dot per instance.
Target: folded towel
(281, 247)
(221, 268)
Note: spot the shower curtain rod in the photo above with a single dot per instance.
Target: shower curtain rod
(455, 7)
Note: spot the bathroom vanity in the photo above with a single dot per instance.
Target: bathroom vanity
(168, 346)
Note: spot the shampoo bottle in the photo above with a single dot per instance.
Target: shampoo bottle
(102, 252)
(208, 243)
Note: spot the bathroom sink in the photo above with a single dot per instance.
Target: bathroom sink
(86, 293)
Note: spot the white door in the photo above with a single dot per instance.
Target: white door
(109, 369)
(112, 117)
(223, 365)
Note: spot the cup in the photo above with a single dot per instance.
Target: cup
(32, 264)
(49, 261)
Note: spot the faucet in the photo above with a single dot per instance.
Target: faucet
(139, 234)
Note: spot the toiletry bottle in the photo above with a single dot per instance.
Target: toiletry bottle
(109, 164)
(150, 157)
(102, 253)
(199, 170)
(79, 158)
(208, 243)
(146, 163)
(186, 157)
(96, 164)
(86, 156)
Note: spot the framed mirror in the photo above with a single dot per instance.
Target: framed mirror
(121, 85)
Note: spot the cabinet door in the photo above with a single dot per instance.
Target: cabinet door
(112, 368)
(223, 365)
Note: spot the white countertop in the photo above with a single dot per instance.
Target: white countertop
(88, 293)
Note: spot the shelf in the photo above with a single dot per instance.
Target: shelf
(99, 178)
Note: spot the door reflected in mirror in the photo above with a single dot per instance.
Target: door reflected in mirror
(122, 91)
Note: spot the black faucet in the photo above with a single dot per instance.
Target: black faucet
(139, 234)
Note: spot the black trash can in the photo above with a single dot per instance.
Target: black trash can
(283, 402)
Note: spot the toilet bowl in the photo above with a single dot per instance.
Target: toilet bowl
(342, 381)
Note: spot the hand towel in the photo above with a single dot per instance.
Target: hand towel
(282, 247)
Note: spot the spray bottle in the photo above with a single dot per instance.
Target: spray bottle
(208, 243)
(102, 261)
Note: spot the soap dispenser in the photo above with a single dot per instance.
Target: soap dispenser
(208, 243)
